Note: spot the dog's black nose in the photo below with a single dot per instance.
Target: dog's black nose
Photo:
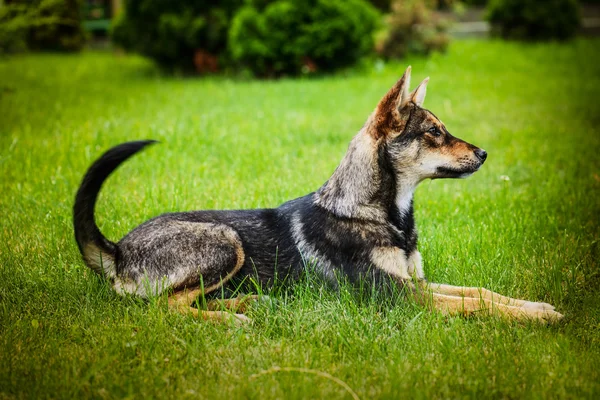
(481, 154)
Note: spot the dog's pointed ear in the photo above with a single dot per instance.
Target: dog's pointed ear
(405, 87)
(418, 95)
(396, 96)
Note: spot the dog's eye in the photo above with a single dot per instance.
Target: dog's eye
(434, 131)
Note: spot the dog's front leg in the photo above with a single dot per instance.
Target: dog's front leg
(456, 300)
(482, 293)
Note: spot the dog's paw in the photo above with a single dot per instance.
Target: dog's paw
(545, 316)
(532, 305)
(240, 319)
(224, 317)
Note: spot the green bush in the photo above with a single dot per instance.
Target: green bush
(381, 5)
(41, 25)
(274, 38)
(476, 2)
(413, 27)
(534, 19)
(14, 26)
(178, 34)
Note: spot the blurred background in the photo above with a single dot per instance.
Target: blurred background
(274, 38)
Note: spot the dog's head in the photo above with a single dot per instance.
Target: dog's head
(416, 141)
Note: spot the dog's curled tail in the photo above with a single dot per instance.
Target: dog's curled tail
(98, 252)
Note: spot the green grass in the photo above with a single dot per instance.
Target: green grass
(235, 144)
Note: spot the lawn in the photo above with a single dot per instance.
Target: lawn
(526, 225)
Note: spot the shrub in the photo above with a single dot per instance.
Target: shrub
(534, 19)
(13, 28)
(178, 34)
(382, 5)
(293, 36)
(476, 2)
(413, 28)
(41, 25)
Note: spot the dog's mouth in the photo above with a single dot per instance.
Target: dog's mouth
(450, 172)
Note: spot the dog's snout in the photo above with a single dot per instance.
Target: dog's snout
(481, 154)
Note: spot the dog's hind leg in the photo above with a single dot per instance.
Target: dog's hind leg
(187, 258)
(224, 239)
(238, 304)
(482, 293)
(182, 300)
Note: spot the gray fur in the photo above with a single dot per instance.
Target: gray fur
(165, 253)
(349, 191)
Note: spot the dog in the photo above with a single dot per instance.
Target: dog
(360, 224)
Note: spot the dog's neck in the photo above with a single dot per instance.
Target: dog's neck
(404, 198)
(365, 186)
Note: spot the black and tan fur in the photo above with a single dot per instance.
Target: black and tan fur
(359, 224)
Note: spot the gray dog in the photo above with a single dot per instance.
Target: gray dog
(359, 224)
